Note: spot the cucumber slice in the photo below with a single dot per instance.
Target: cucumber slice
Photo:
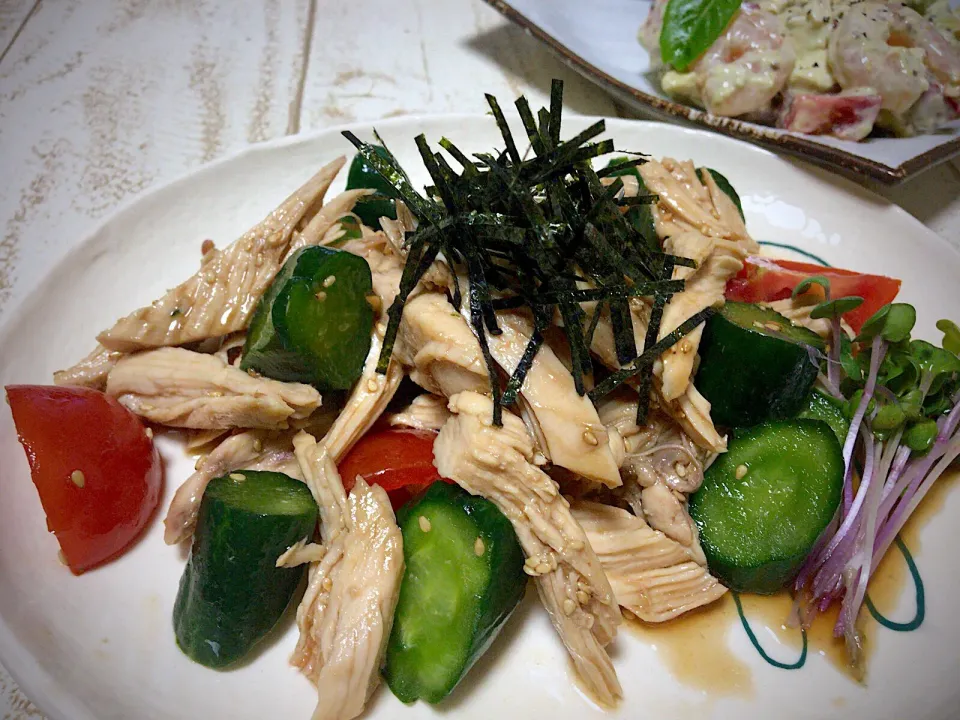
(820, 406)
(764, 502)
(313, 323)
(371, 209)
(231, 592)
(755, 365)
(464, 577)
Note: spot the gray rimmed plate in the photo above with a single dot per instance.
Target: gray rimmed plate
(598, 39)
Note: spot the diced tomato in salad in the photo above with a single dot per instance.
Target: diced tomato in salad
(94, 465)
(398, 460)
(765, 279)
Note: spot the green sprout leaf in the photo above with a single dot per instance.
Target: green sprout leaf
(934, 360)
(892, 322)
(951, 335)
(921, 436)
(809, 282)
(889, 418)
(836, 308)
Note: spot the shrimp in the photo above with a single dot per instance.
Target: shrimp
(747, 66)
(896, 52)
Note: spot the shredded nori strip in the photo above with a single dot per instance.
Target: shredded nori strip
(539, 234)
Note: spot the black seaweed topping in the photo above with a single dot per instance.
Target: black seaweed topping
(540, 232)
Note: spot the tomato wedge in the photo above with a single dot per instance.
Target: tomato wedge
(398, 460)
(765, 279)
(95, 467)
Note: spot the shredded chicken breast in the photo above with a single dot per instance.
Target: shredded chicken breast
(346, 614)
(425, 412)
(92, 371)
(220, 298)
(496, 464)
(180, 388)
(652, 576)
(572, 435)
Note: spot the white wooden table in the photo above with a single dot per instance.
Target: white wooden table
(99, 99)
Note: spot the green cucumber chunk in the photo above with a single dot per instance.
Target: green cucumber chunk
(313, 323)
(755, 365)
(820, 406)
(764, 502)
(370, 209)
(725, 186)
(231, 592)
(464, 577)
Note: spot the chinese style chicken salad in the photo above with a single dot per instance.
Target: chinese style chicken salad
(821, 67)
(546, 368)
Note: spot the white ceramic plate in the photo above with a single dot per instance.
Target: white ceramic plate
(599, 39)
(101, 645)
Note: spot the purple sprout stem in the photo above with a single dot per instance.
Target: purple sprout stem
(833, 357)
(911, 500)
(862, 561)
(851, 504)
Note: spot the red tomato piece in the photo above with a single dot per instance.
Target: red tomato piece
(97, 471)
(765, 279)
(398, 460)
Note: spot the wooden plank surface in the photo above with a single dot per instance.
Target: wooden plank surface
(426, 56)
(13, 18)
(102, 99)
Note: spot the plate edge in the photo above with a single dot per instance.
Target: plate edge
(833, 159)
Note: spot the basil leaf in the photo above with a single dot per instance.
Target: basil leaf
(691, 26)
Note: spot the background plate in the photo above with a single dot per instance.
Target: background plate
(101, 645)
(599, 39)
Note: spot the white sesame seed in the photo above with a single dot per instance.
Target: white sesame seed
(772, 326)
(588, 619)
(741, 472)
(238, 477)
(321, 296)
(589, 438)
(149, 433)
(529, 571)
(582, 597)
(478, 547)
(543, 568)
(424, 523)
(62, 558)
(329, 280)
(576, 545)
(372, 385)
(77, 478)
(258, 445)
(680, 469)
(327, 584)
(569, 606)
